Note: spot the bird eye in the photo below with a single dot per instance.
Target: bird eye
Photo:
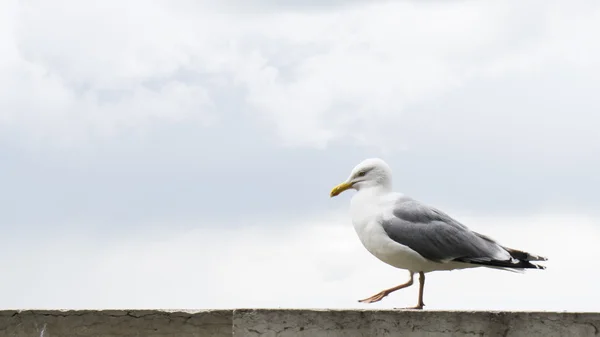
(362, 173)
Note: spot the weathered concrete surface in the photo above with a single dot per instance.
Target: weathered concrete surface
(294, 323)
(355, 323)
(121, 323)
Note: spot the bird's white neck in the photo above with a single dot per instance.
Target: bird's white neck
(367, 202)
(374, 189)
(368, 197)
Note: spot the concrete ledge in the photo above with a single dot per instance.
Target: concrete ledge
(294, 323)
(122, 323)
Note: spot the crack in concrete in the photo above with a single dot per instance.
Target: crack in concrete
(43, 332)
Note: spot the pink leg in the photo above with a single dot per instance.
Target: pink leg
(380, 295)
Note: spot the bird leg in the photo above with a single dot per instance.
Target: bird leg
(380, 295)
(420, 305)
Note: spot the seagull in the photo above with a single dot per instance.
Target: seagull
(410, 235)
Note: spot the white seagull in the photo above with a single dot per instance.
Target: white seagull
(410, 235)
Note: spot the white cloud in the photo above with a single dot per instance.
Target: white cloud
(361, 67)
(84, 71)
(316, 262)
(317, 76)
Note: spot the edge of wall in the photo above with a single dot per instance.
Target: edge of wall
(295, 323)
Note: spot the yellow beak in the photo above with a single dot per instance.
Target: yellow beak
(340, 188)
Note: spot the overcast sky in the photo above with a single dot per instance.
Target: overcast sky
(179, 154)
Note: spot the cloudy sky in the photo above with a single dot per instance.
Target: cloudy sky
(179, 154)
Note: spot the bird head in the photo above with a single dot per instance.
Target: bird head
(371, 172)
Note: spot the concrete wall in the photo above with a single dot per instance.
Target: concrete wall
(294, 323)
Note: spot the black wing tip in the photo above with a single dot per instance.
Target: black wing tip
(525, 256)
(510, 264)
(535, 266)
(531, 257)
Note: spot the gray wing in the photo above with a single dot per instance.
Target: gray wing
(438, 237)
